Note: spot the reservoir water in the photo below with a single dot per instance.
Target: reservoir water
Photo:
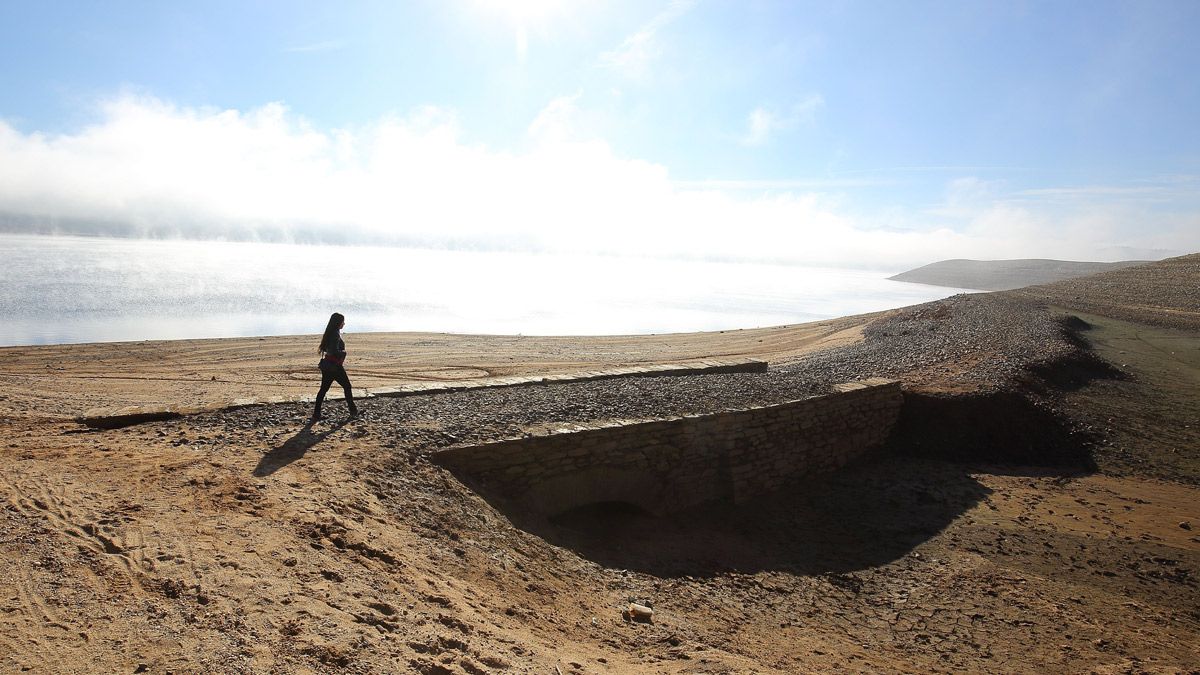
(83, 289)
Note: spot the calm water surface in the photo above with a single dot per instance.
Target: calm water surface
(78, 289)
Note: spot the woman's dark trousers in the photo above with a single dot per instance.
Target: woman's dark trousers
(331, 372)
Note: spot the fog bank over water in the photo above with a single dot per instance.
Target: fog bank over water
(83, 289)
(147, 168)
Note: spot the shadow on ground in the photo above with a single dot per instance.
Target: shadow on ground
(864, 516)
(292, 449)
(995, 428)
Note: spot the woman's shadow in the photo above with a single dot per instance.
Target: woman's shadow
(292, 449)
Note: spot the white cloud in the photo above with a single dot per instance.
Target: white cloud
(782, 184)
(1097, 222)
(965, 196)
(557, 121)
(153, 168)
(634, 56)
(763, 122)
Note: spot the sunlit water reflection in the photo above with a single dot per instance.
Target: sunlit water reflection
(77, 289)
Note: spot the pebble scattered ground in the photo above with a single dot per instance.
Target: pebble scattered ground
(980, 340)
(1163, 293)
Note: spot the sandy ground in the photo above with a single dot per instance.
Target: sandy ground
(62, 381)
(247, 543)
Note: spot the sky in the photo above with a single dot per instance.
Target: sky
(860, 134)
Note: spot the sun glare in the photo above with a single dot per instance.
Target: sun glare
(524, 12)
(525, 17)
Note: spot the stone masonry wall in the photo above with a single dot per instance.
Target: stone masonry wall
(666, 465)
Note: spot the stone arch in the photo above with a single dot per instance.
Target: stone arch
(597, 484)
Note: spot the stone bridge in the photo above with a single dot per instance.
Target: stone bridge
(669, 464)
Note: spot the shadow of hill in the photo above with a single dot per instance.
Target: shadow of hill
(292, 449)
(863, 516)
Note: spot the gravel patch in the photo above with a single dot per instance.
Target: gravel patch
(971, 341)
(1164, 293)
(477, 416)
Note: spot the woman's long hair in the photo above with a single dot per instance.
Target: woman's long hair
(329, 339)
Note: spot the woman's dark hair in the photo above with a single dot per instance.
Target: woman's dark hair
(329, 339)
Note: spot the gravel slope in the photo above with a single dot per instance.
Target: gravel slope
(1164, 293)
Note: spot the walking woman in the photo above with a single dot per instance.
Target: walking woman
(333, 355)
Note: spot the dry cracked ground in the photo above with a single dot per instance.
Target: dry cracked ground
(1036, 511)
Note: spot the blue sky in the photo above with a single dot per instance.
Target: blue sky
(882, 133)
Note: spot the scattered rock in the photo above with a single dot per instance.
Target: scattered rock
(639, 613)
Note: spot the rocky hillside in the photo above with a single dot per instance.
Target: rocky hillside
(1164, 293)
(1002, 275)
